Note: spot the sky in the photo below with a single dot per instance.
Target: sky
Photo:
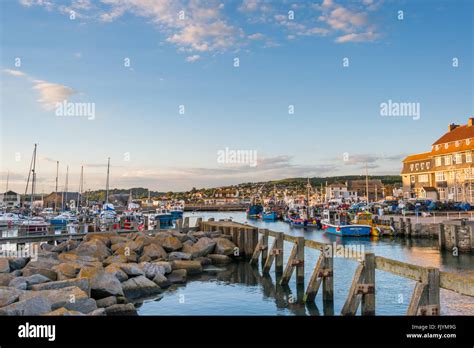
(171, 85)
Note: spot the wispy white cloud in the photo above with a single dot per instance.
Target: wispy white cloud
(49, 93)
(193, 58)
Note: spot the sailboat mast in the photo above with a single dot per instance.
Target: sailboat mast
(79, 193)
(107, 184)
(65, 187)
(33, 181)
(367, 182)
(8, 177)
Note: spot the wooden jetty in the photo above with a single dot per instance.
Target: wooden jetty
(424, 301)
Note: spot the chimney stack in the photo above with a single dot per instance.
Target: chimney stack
(470, 121)
(452, 126)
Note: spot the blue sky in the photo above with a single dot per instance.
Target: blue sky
(285, 58)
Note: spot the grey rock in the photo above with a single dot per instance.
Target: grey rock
(139, 286)
(31, 306)
(106, 302)
(121, 309)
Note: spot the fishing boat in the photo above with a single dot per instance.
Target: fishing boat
(35, 224)
(177, 211)
(63, 219)
(338, 223)
(366, 218)
(269, 215)
(164, 216)
(255, 209)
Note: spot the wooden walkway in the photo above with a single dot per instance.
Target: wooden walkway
(424, 301)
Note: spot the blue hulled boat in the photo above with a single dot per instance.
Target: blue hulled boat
(269, 216)
(254, 211)
(164, 216)
(338, 223)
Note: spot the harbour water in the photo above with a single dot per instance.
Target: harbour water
(241, 289)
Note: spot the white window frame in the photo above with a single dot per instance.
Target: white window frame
(458, 158)
(468, 157)
(448, 160)
(438, 161)
(440, 176)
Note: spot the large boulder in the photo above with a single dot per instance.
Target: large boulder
(103, 284)
(154, 251)
(178, 255)
(218, 259)
(66, 270)
(71, 298)
(6, 278)
(31, 306)
(63, 312)
(203, 247)
(166, 265)
(47, 272)
(121, 309)
(65, 246)
(191, 267)
(139, 286)
(161, 281)
(4, 265)
(131, 269)
(9, 295)
(150, 270)
(117, 272)
(171, 243)
(29, 281)
(116, 259)
(81, 283)
(224, 246)
(18, 262)
(178, 276)
(106, 302)
(95, 248)
(104, 237)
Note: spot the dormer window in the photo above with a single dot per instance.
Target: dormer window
(457, 143)
(437, 147)
(422, 165)
(411, 167)
(468, 141)
(446, 145)
(417, 166)
(427, 165)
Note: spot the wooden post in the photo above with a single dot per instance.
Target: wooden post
(198, 223)
(362, 288)
(368, 299)
(408, 227)
(425, 299)
(276, 252)
(157, 224)
(296, 260)
(265, 245)
(300, 260)
(258, 250)
(328, 279)
(179, 225)
(279, 255)
(186, 224)
(441, 237)
(402, 226)
(146, 221)
(314, 281)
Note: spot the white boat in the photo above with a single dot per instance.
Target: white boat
(35, 224)
(10, 219)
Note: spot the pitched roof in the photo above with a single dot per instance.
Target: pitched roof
(458, 133)
(417, 157)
